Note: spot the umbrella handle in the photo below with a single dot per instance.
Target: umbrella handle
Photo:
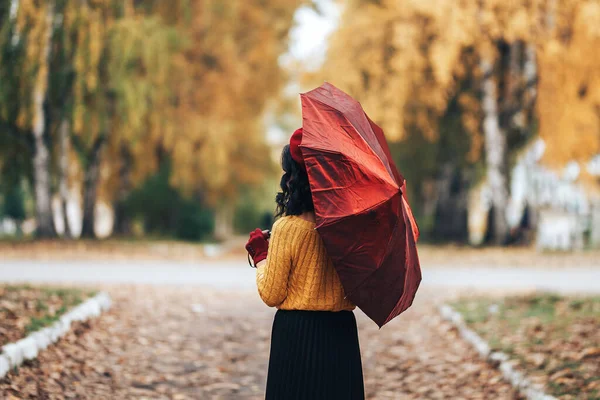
(250, 262)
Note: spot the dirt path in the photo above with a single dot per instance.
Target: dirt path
(194, 343)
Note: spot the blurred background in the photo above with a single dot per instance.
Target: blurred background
(140, 143)
(165, 120)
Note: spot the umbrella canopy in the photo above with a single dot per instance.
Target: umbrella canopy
(361, 209)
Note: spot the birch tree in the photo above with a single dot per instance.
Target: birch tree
(64, 162)
(27, 32)
(494, 136)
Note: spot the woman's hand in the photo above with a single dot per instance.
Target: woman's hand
(258, 245)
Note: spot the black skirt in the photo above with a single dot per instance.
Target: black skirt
(314, 355)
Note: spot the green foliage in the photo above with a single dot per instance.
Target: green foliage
(140, 53)
(153, 201)
(166, 212)
(14, 204)
(15, 144)
(422, 161)
(249, 216)
(194, 222)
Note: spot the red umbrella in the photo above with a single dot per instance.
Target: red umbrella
(360, 204)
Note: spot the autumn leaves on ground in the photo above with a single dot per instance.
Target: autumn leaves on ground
(200, 342)
(554, 338)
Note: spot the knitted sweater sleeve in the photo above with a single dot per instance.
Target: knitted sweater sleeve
(272, 276)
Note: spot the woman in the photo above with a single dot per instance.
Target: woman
(315, 352)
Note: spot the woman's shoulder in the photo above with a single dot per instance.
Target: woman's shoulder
(292, 221)
(283, 223)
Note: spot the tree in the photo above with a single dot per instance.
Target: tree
(115, 88)
(41, 158)
(221, 97)
(14, 205)
(569, 84)
(413, 59)
(27, 31)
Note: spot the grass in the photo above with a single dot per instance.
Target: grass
(549, 335)
(27, 308)
(69, 297)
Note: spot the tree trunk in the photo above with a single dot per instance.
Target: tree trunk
(41, 158)
(14, 8)
(495, 154)
(513, 108)
(451, 206)
(64, 132)
(224, 222)
(122, 225)
(530, 71)
(90, 189)
(530, 75)
(514, 73)
(122, 218)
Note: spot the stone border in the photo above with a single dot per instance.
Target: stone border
(14, 354)
(497, 359)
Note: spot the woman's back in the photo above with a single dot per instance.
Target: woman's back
(315, 353)
(298, 274)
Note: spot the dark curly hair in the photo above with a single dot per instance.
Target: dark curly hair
(295, 197)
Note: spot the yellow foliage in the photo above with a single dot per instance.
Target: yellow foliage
(569, 88)
(32, 23)
(402, 59)
(227, 76)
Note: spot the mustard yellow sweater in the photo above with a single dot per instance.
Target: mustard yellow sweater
(298, 274)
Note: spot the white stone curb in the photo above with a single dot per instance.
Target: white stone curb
(14, 354)
(497, 359)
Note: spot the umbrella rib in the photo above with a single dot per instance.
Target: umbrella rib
(362, 212)
(387, 167)
(391, 182)
(363, 282)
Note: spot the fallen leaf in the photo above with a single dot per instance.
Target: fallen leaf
(590, 353)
